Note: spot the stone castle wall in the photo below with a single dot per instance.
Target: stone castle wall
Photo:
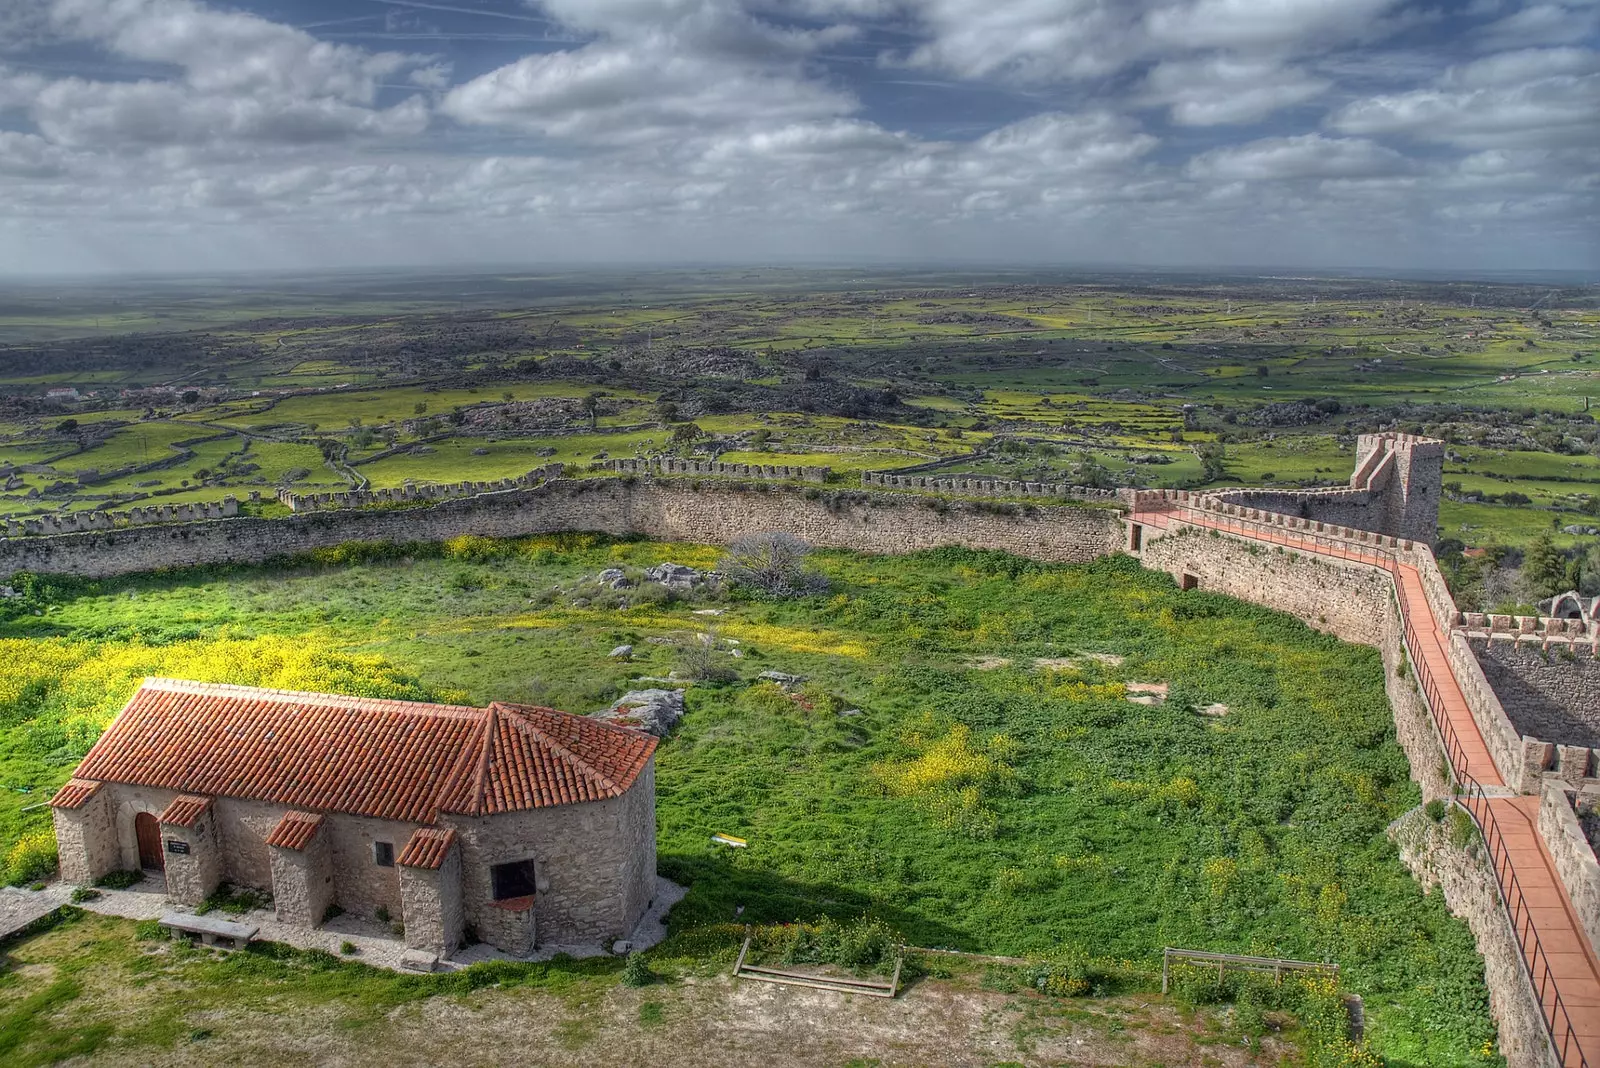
(1549, 686)
(668, 465)
(985, 486)
(1574, 856)
(709, 512)
(412, 493)
(78, 522)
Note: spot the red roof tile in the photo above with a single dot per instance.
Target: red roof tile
(398, 760)
(185, 809)
(295, 830)
(75, 794)
(427, 848)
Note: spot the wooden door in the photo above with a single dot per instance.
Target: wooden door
(148, 832)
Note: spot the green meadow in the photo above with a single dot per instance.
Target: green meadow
(963, 763)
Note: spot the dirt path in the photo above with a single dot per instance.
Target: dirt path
(717, 1022)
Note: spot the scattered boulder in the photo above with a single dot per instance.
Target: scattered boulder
(1147, 693)
(653, 711)
(788, 682)
(1217, 709)
(621, 652)
(614, 577)
(674, 576)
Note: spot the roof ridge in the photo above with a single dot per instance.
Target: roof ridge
(269, 693)
(480, 781)
(579, 764)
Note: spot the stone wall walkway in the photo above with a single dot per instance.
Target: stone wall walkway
(1562, 965)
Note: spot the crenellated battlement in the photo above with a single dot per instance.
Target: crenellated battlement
(669, 465)
(80, 522)
(987, 486)
(412, 493)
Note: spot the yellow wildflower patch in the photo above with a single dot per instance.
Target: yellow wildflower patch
(796, 639)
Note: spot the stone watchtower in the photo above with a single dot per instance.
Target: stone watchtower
(1405, 475)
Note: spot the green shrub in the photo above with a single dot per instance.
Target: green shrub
(1435, 809)
(119, 880)
(635, 972)
(348, 948)
(1462, 830)
(80, 894)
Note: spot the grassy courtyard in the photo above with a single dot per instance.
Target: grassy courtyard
(964, 763)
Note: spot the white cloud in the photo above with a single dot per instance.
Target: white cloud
(1501, 102)
(231, 52)
(714, 128)
(1228, 89)
(1300, 157)
(29, 156)
(611, 92)
(1277, 25)
(72, 111)
(1541, 24)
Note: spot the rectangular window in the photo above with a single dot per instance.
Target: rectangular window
(512, 880)
(383, 854)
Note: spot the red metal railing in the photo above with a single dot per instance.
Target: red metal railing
(1470, 796)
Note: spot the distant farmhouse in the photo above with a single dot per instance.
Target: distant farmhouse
(61, 393)
(520, 825)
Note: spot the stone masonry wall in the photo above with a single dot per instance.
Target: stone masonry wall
(1468, 883)
(1550, 687)
(302, 880)
(593, 881)
(432, 897)
(711, 512)
(86, 840)
(1574, 856)
(192, 876)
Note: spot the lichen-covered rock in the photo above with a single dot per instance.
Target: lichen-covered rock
(653, 711)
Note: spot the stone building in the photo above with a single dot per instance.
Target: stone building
(512, 824)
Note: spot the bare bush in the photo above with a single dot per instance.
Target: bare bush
(774, 563)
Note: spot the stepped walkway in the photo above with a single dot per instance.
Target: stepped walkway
(1560, 962)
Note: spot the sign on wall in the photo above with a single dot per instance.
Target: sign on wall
(175, 846)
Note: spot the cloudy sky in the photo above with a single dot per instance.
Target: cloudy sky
(187, 135)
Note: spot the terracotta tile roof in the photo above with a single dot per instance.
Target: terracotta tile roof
(295, 830)
(427, 848)
(397, 760)
(75, 793)
(185, 809)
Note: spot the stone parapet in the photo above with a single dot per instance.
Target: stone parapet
(667, 465)
(412, 493)
(986, 486)
(81, 522)
(710, 512)
(1570, 849)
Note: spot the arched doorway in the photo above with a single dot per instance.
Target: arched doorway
(148, 831)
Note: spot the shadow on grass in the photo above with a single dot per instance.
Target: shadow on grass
(718, 888)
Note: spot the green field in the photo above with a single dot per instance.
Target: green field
(1001, 806)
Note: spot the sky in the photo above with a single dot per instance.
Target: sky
(180, 135)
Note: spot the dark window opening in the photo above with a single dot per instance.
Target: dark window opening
(512, 880)
(1137, 541)
(1188, 582)
(383, 854)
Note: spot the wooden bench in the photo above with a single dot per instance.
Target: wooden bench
(212, 931)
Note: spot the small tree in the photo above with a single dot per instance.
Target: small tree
(774, 563)
(591, 408)
(1546, 567)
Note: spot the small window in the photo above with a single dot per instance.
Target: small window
(383, 854)
(512, 880)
